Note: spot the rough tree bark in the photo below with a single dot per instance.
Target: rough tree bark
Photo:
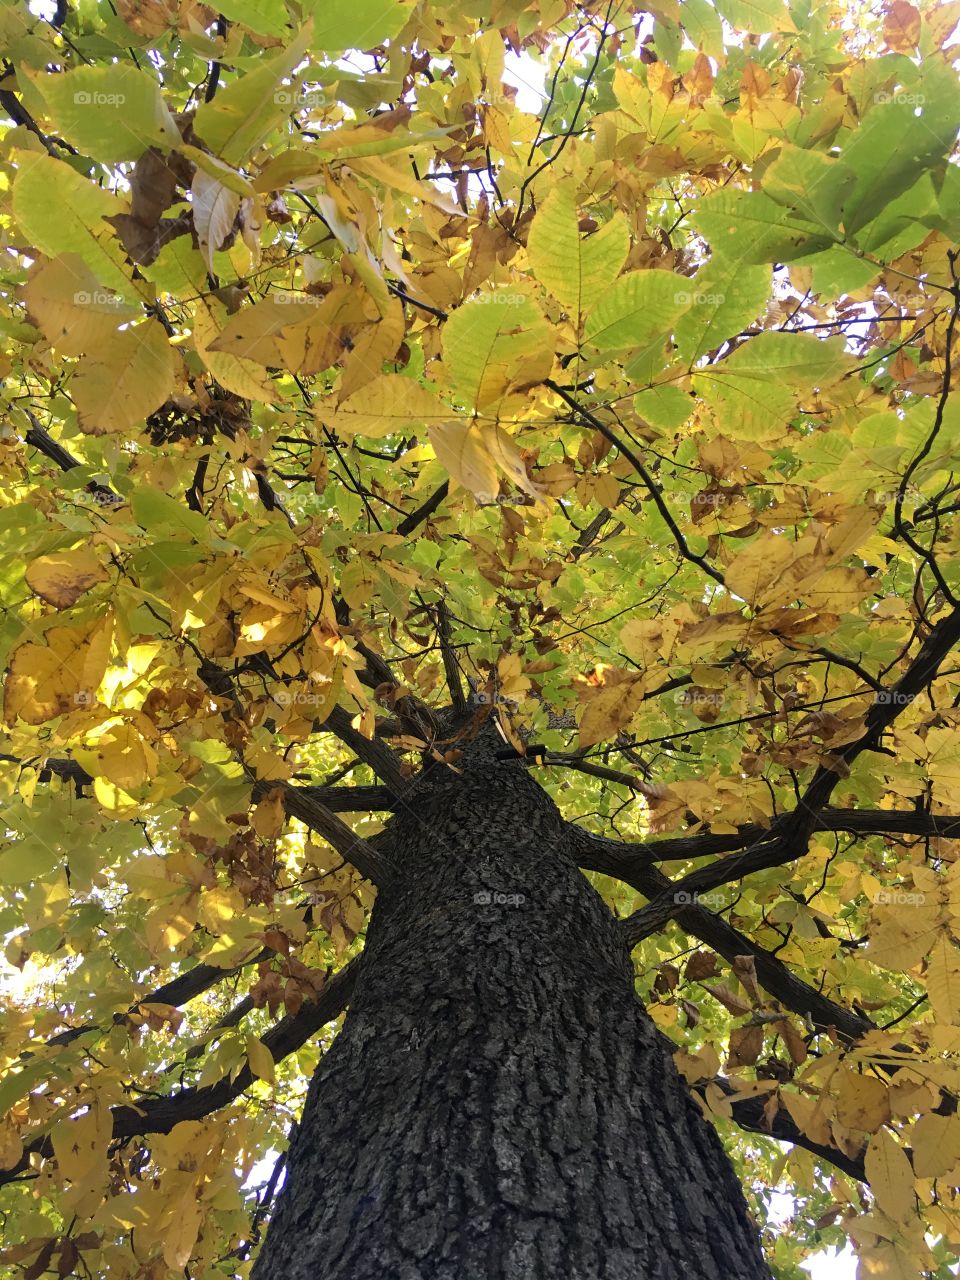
(498, 1105)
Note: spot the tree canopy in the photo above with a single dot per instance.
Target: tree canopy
(339, 386)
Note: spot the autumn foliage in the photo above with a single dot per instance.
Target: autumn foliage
(590, 363)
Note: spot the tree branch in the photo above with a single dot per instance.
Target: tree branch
(793, 993)
(382, 760)
(645, 476)
(160, 1115)
(424, 512)
(360, 853)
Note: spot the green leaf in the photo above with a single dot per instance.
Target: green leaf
(576, 269)
(111, 112)
(701, 22)
(750, 227)
(665, 407)
(813, 184)
(902, 224)
(639, 306)
(247, 111)
(798, 359)
(891, 149)
(74, 222)
(356, 24)
(753, 394)
(493, 343)
(725, 300)
(268, 17)
(761, 17)
(155, 510)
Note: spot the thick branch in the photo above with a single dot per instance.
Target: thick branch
(382, 760)
(889, 704)
(792, 992)
(748, 1114)
(451, 669)
(360, 853)
(160, 1115)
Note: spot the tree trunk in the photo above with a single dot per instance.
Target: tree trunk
(498, 1105)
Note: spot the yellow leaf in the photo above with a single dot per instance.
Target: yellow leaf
(862, 1102)
(260, 1059)
(890, 1176)
(268, 817)
(243, 377)
(181, 1234)
(809, 1114)
(11, 1144)
(387, 405)
(462, 449)
(72, 308)
(943, 980)
(127, 380)
(124, 758)
(62, 577)
(51, 680)
(936, 1145)
(506, 456)
(610, 707)
(218, 907)
(80, 1143)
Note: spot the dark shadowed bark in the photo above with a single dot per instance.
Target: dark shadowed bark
(498, 1105)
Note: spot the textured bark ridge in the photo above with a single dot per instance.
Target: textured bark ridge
(498, 1105)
